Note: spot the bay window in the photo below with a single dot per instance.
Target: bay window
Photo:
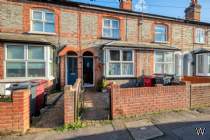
(203, 64)
(111, 28)
(27, 61)
(200, 62)
(120, 63)
(42, 21)
(209, 63)
(164, 62)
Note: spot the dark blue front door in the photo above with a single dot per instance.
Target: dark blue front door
(71, 70)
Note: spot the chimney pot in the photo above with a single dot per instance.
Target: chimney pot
(193, 12)
(126, 4)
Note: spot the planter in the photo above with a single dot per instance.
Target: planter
(104, 90)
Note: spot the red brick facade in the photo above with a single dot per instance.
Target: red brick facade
(15, 115)
(139, 101)
(80, 29)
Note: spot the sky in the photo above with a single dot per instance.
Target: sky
(172, 8)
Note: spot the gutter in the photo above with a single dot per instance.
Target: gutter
(27, 41)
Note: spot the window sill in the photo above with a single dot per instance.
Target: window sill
(199, 43)
(41, 33)
(159, 42)
(202, 74)
(22, 79)
(120, 77)
(109, 38)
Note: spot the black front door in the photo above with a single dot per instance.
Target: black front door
(88, 71)
(71, 70)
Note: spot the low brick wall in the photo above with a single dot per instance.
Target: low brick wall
(196, 79)
(200, 95)
(142, 100)
(69, 116)
(71, 102)
(15, 115)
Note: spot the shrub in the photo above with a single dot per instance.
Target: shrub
(72, 126)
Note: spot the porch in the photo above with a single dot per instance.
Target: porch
(83, 64)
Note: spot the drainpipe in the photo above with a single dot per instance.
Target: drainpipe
(79, 44)
(126, 25)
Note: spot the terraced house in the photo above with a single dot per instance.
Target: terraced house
(63, 40)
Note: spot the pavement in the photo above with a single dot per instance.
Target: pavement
(176, 125)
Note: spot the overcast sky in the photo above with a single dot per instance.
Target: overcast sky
(173, 8)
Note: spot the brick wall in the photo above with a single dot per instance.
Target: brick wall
(138, 101)
(72, 102)
(200, 95)
(15, 115)
(69, 115)
(196, 79)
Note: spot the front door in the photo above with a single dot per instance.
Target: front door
(71, 70)
(88, 71)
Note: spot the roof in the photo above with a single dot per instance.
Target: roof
(118, 10)
(21, 38)
(143, 46)
(201, 50)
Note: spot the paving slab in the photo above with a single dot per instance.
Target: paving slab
(106, 132)
(192, 133)
(204, 110)
(120, 127)
(143, 130)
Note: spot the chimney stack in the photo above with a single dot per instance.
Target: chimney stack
(126, 4)
(193, 12)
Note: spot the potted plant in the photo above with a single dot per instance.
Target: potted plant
(105, 83)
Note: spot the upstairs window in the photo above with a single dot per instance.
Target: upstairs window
(111, 28)
(43, 21)
(161, 33)
(200, 35)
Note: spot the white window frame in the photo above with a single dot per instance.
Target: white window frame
(108, 61)
(206, 64)
(166, 33)
(173, 62)
(197, 71)
(26, 60)
(178, 61)
(43, 11)
(198, 34)
(110, 28)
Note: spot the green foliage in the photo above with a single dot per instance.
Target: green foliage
(102, 84)
(8, 99)
(72, 126)
(105, 83)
